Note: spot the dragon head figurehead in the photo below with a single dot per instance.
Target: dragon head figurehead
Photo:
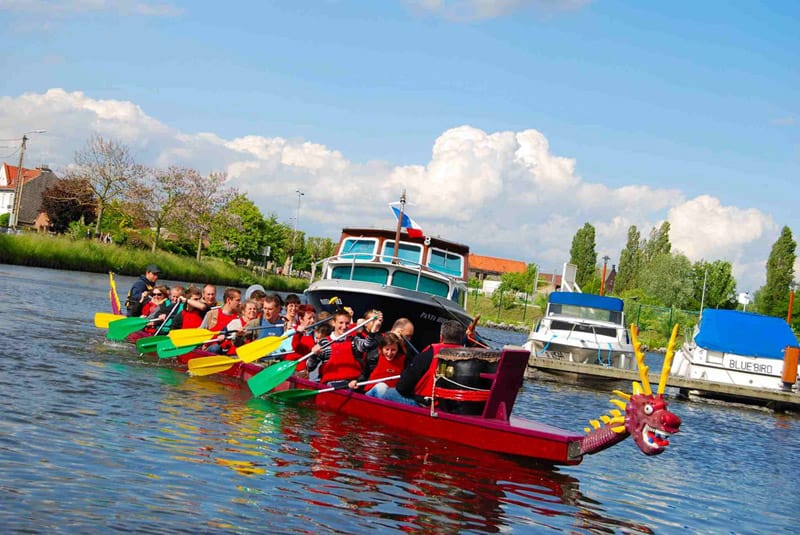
(646, 417)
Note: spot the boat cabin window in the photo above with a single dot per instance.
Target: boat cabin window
(586, 313)
(359, 248)
(446, 262)
(361, 273)
(410, 252)
(403, 279)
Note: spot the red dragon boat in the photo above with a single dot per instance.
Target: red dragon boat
(642, 415)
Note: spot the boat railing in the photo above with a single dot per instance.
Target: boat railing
(393, 265)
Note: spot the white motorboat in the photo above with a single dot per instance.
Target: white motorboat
(585, 329)
(736, 348)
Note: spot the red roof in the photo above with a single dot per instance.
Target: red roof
(11, 174)
(496, 265)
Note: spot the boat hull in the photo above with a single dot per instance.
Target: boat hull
(426, 312)
(610, 357)
(695, 362)
(516, 436)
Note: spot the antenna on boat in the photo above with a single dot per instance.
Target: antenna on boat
(399, 226)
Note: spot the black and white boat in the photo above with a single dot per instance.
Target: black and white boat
(422, 278)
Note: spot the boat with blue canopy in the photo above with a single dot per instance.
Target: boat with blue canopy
(737, 348)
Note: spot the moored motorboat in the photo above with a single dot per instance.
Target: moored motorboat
(739, 348)
(585, 329)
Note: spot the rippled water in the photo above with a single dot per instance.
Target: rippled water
(92, 438)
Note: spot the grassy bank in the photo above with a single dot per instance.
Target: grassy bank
(38, 250)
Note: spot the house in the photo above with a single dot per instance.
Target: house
(549, 282)
(35, 182)
(491, 268)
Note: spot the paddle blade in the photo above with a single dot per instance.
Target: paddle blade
(187, 337)
(120, 329)
(168, 350)
(150, 343)
(269, 378)
(259, 348)
(210, 365)
(103, 319)
(295, 394)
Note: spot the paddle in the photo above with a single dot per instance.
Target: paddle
(300, 393)
(150, 343)
(202, 366)
(103, 319)
(269, 378)
(192, 336)
(120, 329)
(175, 307)
(264, 346)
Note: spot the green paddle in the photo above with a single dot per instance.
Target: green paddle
(269, 378)
(150, 343)
(120, 329)
(295, 394)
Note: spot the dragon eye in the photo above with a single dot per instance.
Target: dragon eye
(648, 409)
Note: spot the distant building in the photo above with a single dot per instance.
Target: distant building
(610, 279)
(491, 268)
(549, 282)
(35, 182)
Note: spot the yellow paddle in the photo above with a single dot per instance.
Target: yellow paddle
(102, 319)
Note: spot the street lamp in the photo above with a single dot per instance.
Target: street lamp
(13, 218)
(290, 260)
(792, 289)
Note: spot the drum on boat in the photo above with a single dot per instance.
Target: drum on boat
(460, 388)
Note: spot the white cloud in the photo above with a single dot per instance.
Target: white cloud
(503, 193)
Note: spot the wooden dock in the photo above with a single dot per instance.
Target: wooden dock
(593, 375)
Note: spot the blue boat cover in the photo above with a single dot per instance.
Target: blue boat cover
(587, 300)
(744, 333)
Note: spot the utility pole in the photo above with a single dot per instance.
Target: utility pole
(603, 277)
(294, 232)
(13, 218)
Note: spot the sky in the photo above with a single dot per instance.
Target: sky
(509, 123)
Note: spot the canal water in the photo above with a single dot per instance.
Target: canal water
(94, 439)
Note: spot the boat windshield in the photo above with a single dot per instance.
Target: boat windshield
(585, 313)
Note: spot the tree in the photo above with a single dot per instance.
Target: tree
(583, 255)
(629, 261)
(658, 244)
(241, 234)
(69, 200)
(202, 207)
(110, 171)
(773, 298)
(162, 196)
(720, 285)
(668, 278)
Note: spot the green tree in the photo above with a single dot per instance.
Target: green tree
(720, 285)
(658, 244)
(668, 279)
(773, 298)
(245, 238)
(583, 254)
(629, 261)
(162, 195)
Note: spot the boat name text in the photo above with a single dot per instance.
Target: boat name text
(750, 366)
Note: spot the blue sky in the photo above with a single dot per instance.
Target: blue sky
(511, 123)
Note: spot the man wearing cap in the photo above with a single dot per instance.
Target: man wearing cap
(140, 291)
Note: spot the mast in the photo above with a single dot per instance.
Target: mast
(399, 226)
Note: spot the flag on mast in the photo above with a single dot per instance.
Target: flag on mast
(411, 226)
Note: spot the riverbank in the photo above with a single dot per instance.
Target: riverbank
(57, 252)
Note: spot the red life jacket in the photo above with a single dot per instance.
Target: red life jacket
(387, 368)
(342, 364)
(301, 346)
(424, 387)
(191, 319)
